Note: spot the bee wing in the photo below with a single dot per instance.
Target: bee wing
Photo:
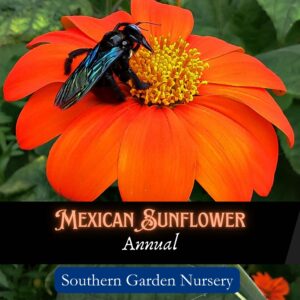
(89, 71)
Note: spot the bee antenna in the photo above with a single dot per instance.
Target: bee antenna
(138, 23)
(143, 29)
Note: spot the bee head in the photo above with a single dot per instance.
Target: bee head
(133, 33)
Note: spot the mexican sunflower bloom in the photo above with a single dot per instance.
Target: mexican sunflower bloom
(207, 115)
(272, 288)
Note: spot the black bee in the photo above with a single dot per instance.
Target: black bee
(110, 56)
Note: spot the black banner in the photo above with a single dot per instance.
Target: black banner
(144, 233)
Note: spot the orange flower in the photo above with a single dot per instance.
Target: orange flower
(272, 288)
(207, 115)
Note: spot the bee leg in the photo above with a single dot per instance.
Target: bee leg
(140, 85)
(112, 83)
(72, 55)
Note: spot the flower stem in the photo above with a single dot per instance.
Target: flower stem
(240, 296)
(178, 2)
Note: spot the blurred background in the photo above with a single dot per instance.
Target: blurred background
(267, 29)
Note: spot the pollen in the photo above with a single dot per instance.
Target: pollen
(173, 71)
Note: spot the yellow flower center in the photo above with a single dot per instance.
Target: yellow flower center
(173, 71)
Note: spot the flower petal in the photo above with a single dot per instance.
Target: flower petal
(231, 154)
(40, 120)
(223, 169)
(71, 36)
(37, 68)
(83, 161)
(261, 135)
(263, 281)
(238, 69)
(257, 99)
(173, 21)
(272, 288)
(211, 47)
(280, 286)
(93, 27)
(157, 158)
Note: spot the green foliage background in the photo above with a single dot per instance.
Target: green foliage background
(267, 29)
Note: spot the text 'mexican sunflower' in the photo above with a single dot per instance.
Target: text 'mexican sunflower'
(207, 115)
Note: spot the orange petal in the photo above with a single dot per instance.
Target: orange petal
(71, 36)
(93, 27)
(83, 161)
(238, 69)
(281, 286)
(263, 281)
(275, 288)
(37, 68)
(228, 153)
(172, 20)
(157, 158)
(257, 99)
(223, 169)
(261, 135)
(211, 47)
(40, 120)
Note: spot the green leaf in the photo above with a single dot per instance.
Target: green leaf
(243, 23)
(248, 289)
(22, 20)
(212, 13)
(213, 17)
(9, 295)
(285, 183)
(9, 54)
(8, 151)
(252, 25)
(3, 280)
(199, 194)
(103, 8)
(293, 36)
(4, 119)
(284, 101)
(293, 155)
(29, 183)
(44, 149)
(295, 290)
(295, 270)
(283, 14)
(286, 63)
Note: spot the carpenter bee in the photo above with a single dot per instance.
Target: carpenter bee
(108, 58)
